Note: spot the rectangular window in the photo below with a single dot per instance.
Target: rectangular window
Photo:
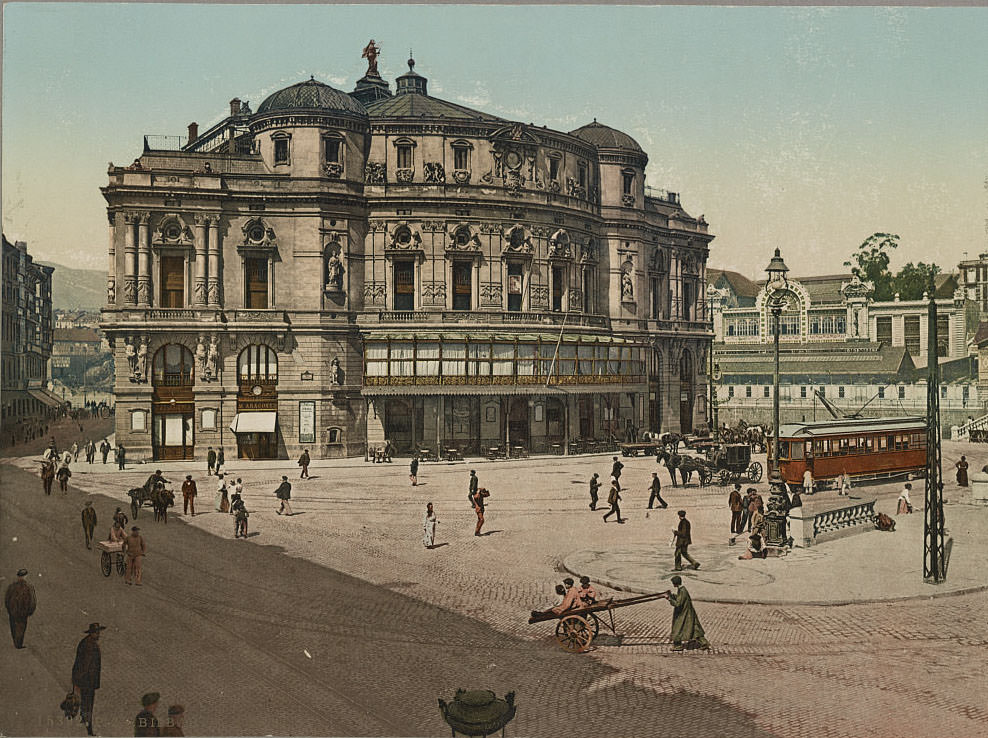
(504, 359)
(881, 393)
(405, 157)
(747, 391)
(823, 392)
(766, 391)
(582, 169)
(911, 334)
(404, 273)
(427, 359)
(281, 151)
(902, 393)
(802, 392)
(587, 290)
(797, 451)
(479, 364)
(462, 285)
(461, 158)
(454, 359)
(943, 335)
(840, 391)
(558, 284)
(553, 169)
(655, 295)
(257, 282)
(334, 148)
(172, 281)
(629, 182)
(730, 391)
(943, 391)
(526, 359)
(883, 330)
(515, 285)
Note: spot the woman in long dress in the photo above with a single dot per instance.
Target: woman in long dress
(904, 505)
(429, 527)
(962, 471)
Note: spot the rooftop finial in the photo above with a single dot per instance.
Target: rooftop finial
(371, 52)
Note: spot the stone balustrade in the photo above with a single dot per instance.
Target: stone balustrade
(810, 525)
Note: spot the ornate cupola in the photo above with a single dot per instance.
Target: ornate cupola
(410, 81)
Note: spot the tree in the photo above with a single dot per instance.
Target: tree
(870, 263)
(914, 279)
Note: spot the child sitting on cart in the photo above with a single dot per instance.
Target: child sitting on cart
(117, 534)
(571, 599)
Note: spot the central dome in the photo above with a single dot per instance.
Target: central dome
(606, 137)
(311, 95)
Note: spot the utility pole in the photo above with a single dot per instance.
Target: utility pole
(934, 565)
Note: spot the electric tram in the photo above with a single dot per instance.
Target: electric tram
(865, 448)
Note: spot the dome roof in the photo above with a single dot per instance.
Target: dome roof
(311, 95)
(606, 137)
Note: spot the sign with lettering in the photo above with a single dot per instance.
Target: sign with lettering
(307, 421)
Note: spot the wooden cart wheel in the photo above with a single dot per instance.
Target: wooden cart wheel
(134, 507)
(121, 565)
(594, 621)
(105, 564)
(574, 633)
(725, 477)
(755, 471)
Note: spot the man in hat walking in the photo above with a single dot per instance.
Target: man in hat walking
(88, 522)
(686, 628)
(737, 505)
(284, 493)
(616, 468)
(20, 602)
(210, 461)
(683, 541)
(146, 724)
(303, 461)
(656, 492)
(86, 672)
(594, 486)
(613, 498)
(135, 548)
(104, 449)
(189, 492)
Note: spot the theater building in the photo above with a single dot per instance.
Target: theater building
(337, 269)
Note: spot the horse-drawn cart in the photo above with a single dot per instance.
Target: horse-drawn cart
(577, 627)
(734, 462)
(110, 553)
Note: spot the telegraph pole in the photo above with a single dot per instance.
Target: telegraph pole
(934, 565)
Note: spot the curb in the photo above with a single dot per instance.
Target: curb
(811, 603)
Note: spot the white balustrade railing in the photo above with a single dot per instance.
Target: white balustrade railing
(808, 527)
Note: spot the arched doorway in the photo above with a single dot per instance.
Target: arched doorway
(172, 405)
(654, 391)
(686, 392)
(257, 403)
(519, 428)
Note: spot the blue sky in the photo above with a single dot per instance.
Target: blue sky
(806, 129)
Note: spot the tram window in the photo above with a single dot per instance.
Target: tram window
(870, 444)
(818, 448)
(918, 439)
(883, 443)
(841, 449)
(783, 449)
(797, 451)
(852, 444)
(861, 445)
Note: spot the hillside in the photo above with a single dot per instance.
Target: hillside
(74, 289)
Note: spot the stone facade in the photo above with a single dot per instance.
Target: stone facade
(371, 267)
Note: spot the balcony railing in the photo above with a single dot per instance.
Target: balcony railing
(503, 381)
(493, 316)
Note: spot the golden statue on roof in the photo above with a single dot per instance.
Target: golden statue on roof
(371, 52)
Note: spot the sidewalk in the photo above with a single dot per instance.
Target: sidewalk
(870, 566)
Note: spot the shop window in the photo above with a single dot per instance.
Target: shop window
(172, 280)
(256, 268)
(404, 291)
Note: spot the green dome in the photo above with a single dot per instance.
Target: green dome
(311, 95)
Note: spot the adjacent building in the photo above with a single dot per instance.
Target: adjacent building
(837, 341)
(26, 342)
(337, 270)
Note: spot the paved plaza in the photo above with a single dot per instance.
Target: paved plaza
(338, 621)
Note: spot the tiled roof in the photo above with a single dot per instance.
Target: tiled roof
(741, 285)
(311, 95)
(606, 137)
(820, 359)
(414, 105)
(85, 335)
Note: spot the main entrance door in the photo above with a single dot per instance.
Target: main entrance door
(519, 430)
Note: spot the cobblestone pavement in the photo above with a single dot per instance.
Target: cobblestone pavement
(350, 574)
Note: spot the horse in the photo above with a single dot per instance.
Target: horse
(161, 500)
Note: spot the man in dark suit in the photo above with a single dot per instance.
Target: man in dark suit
(656, 489)
(616, 468)
(146, 724)
(20, 602)
(683, 541)
(210, 461)
(86, 672)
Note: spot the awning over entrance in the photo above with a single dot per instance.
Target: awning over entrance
(45, 398)
(256, 422)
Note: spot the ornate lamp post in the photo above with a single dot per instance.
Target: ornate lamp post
(712, 294)
(775, 518)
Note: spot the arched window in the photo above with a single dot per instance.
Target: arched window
(257, 364)
(686, 366)
(172, 366)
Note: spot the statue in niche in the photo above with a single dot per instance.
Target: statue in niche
(131, 355)
(334, 270)
(213, 358)
(335, 373)
(200, 289)
(111, 291)
(130, 291)
(200, 356)
(627, 288)
(143, 292)
(142, 359)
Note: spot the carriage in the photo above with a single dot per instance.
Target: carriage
(577, 627)
(111, 553)
(733, 463)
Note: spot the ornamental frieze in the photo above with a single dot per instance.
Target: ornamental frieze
(375, 172)
(434, 173)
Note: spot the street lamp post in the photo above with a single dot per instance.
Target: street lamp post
(778, 503)
(712, 294)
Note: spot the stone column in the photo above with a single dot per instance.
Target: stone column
(215, 288)
(111, 266)
(130, 260)
(201, 272)
(144, 260)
